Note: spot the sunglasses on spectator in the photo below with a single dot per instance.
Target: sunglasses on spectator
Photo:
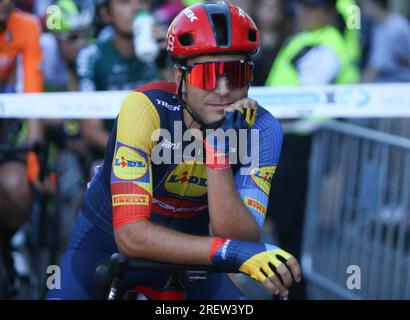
(205, 75)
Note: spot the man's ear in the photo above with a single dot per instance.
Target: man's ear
(178, 75)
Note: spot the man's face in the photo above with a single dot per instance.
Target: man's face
(210, 105)
(122, 13)
(72, 42)
(310, 17)
(269, 13)
(6, 7)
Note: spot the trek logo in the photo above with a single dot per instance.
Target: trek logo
(128, 164)
(167, 105)
(187, 180)
(190, 15)
(241, 13)
(263, 177)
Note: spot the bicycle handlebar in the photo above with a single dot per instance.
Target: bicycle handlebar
(109, 276)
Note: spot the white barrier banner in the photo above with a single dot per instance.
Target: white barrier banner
(350, 101)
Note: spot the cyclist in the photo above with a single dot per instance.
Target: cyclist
(20, 59)
(111, 64)
(186, 212)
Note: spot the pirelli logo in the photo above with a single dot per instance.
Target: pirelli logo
(129, 199)
(254, 204)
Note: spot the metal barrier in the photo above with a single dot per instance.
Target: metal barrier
(396, 126)
(358, 214)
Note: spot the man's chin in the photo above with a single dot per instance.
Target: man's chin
(214, 120)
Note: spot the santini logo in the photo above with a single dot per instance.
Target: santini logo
(170, 145)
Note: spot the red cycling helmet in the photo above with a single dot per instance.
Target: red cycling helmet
(212, 28)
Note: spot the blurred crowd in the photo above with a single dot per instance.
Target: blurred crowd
(95, 45)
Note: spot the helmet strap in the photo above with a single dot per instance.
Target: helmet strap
(194, 116)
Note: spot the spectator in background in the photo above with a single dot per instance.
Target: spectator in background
(66, 37)
(69, 31)
(70, 28)
(315, 56)
(111, 64)
(389, 56)
(166, 10)
(275, 24)
(349, 27)
(20, 71)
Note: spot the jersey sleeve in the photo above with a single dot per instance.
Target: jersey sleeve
(131, 173)
(86, 66)
(253, 180)
(32, 59)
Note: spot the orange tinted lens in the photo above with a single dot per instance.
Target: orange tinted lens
(205, 75)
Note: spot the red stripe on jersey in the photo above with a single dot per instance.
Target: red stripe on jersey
(169, 87)
(178, 208)
(130, 203)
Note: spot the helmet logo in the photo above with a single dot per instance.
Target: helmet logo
(170, 44)
(190, 15)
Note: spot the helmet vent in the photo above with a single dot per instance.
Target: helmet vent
(186, 39)
(221, 29)
(252, 35)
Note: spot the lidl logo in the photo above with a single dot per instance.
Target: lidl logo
(129, 199)
(254, 204)
(263, 177)
(129, 164)
(187, 180)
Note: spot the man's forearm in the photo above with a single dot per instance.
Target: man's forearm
(229, 216)
(144, 239)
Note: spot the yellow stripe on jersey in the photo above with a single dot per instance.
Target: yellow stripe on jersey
(137, 121)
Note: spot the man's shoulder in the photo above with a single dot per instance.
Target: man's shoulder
(90, 52)
(24, 20)
(87, 61)
(162, 95)
(159, 86)
(158, 97)
(266, 119)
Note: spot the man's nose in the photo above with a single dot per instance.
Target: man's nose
(222, 87)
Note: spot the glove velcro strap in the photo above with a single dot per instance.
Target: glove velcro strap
(217, 243)
(215, 159)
